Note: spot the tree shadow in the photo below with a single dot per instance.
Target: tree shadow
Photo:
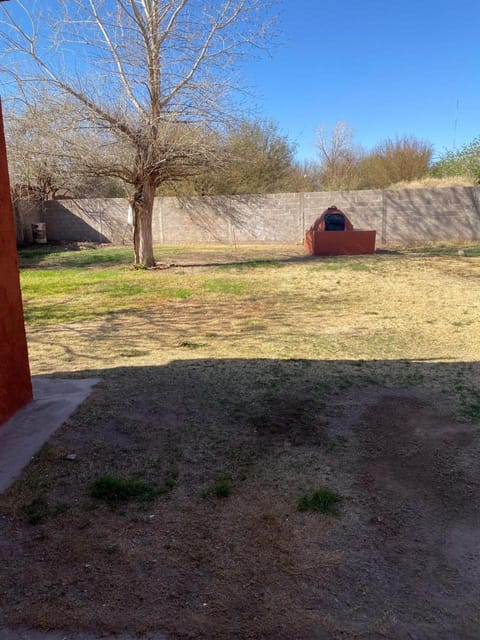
(88, 220)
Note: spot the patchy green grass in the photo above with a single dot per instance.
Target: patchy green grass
(74, 258)
(472, 411)
(469, 249)
(253, 264)
(471, 405)
(323, 501)
(220, 489)
(226, 286)
(37, 511)
(99, 284)
(225, 302)
(64, 292)
(180, 294)
(115, 491)
(189, 344)
(346, 263)
(59, 295)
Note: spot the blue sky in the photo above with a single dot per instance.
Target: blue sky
(408, 67)
(402, 68)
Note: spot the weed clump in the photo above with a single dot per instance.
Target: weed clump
(114, 491)
(472, 411)
(37, 511)
(220, 489)
(323, 501)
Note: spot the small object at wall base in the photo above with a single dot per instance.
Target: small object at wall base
(39, 232)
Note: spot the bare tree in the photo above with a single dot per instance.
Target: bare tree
(149, 75)
(47, 152)
(338, 156)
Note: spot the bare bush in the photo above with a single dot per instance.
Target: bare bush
(338, 157)
(403, 159)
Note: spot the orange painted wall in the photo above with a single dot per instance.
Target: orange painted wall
(15, 383)
(337, 243)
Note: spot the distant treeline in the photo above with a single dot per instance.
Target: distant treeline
(247, 157)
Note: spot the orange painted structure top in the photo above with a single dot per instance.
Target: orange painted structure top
(15, 383)
(332, 234)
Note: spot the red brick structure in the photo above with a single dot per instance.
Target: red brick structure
(332, 234)
(15, 383)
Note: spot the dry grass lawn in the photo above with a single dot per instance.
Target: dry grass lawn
(235, 383)
(253, 302)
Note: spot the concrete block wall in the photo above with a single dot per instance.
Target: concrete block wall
(185, 220)
(251, 218)
(89, 220)
(399, 217)
(415, 215)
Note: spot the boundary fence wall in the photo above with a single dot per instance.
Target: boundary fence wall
(399, 216)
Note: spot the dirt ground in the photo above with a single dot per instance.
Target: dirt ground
(401, 560)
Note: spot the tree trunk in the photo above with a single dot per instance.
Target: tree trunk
(142, 205)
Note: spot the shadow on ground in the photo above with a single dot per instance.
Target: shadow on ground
(398, 440)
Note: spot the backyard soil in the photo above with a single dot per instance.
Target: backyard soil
(401, 560)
